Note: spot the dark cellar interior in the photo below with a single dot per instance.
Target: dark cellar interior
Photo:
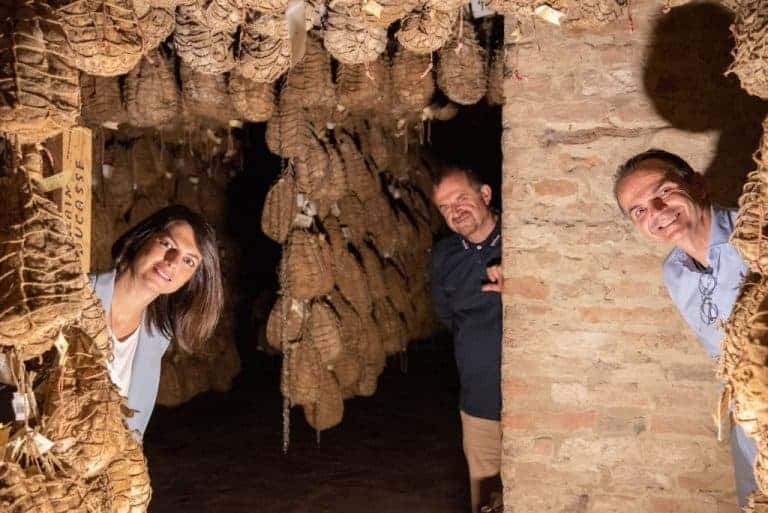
(399, 450)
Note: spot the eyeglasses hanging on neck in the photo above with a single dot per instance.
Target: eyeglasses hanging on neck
(708, 309)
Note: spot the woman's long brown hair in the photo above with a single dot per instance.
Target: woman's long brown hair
(190, 314)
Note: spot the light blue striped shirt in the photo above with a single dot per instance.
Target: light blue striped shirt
(682, 279)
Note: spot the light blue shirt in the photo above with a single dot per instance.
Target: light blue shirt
(145, 374)
(682, 279)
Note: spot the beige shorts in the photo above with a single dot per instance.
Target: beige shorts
(482, 445)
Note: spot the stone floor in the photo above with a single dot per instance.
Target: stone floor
(399, 451)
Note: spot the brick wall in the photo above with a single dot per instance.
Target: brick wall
(607, 397)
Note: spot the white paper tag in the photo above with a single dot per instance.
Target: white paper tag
(20, 404)
(43, 444)
(300, 200)
(298, 308)
(373, 8)
(346, 232)
(303, 221)
(310, 208)
(480, 10)
(549, 14)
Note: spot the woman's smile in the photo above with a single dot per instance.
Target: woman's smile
(163, 273)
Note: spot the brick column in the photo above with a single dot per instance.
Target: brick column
(607, 397)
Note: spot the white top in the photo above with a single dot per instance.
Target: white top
(121, 364)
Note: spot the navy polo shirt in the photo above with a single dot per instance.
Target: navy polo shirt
(473, 316)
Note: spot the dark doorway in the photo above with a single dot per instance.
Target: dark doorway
(399, 450)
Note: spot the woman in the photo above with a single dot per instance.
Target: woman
(166, 285)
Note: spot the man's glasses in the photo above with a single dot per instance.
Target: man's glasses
(708, 309)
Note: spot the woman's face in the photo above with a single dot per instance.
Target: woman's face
(168, 259)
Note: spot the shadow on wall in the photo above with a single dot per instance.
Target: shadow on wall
(690, 51)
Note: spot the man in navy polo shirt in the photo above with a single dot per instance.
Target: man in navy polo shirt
(466, 284)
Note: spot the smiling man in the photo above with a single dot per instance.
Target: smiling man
(466, 285)
(667, 201)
